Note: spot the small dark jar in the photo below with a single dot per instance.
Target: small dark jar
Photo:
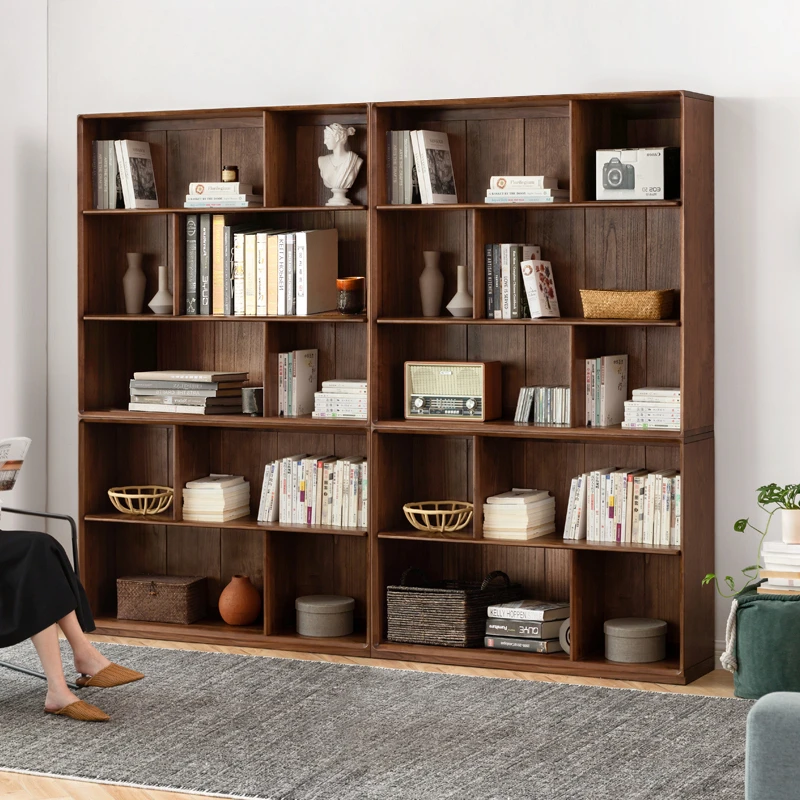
(350, 295)
(230, 173)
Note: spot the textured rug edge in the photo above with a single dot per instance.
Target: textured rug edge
(127, 785)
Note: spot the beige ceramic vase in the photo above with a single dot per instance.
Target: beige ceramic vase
(240, 601)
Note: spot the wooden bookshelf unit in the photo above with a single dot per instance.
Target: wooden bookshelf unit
(611, 245)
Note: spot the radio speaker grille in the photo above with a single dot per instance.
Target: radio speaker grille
(437, 379)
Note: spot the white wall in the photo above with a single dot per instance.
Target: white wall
(171, 54)
(23, 253)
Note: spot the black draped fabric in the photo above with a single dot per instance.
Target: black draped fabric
(37, 586)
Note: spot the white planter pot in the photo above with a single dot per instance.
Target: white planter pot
(790, 526)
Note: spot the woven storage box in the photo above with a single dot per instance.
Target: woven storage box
(451, 613)
(162, 598)
(601, 304)
(635, 640)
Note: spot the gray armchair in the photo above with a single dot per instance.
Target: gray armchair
(772, 766)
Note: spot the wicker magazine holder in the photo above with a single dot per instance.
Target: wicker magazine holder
(603, 304)
(450, 613)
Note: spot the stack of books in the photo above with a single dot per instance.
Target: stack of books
(519, 284)
(653, 407)
(543, 405)
(297, 382)
(308, 489)
(781, 568)
(123, 175)
(343, 399)
(626, 506)
(224, 194)
(606, 390)
(525, 189)
(419, 168)
(187, 392)
(248, 270)
(216, 498)
(520, 514)
(529, 625)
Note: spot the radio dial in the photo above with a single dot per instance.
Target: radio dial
(470, 403)
(418, 402)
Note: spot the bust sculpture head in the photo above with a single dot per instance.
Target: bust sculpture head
(340, 167)
(337, 135)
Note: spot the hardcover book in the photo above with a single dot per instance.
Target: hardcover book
(437, 176)
(204, 283)
(317, 261)
(137, 166)
(522, 629)
(191, 264)
(540, 289)
(533, 610)
(528, 645)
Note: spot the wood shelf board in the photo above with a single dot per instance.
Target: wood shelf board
(572, 321)
(242, 524)
(325, 316)
(505, 427)
(550, 541)
(222, 420)
(214, 210)
(354, 643)
(529, 206)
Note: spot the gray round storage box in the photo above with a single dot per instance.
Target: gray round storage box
(324, 615)
(635, 640)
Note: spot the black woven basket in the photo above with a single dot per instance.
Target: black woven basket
(450, 613)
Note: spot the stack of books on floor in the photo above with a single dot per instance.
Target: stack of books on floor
(224, 194)
(543, 405)
(781, 568)
(315, 490)
(297, 382)
(187, 392)
(122, 175)
(341, 399)
(653, 408)
(519, 284)
(625, 506)
(525, 189)
(216, 498)
(606, 390)
(528, 625)
(249, 270)
(519, 514)
(419, 168)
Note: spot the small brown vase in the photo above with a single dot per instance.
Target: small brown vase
(240, 601)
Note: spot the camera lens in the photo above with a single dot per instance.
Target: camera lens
(614, 176)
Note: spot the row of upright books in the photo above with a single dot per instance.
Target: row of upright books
(525, 189)
(341, 399)
(308, 489)
(419, 168)
(519, 285)
(122, 174)
(223, 194)
(531, 626)
(543, 405)
(626, 506)
(187, 392)
(247, 270)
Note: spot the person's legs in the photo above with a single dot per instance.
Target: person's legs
(88, 660)
(58, 693)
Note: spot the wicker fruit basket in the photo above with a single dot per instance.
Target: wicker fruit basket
(604, 304)
(141, 500)
(449, 613)
(439, 515)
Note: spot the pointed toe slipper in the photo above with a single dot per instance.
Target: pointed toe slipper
(84, 712)
(112, 675)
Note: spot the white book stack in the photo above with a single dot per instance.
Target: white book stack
(653, 407)
(525, 189)
(625, 506)
(216, 498)
(781, 568)
(519, 514)
(306, 489)
(342, 399)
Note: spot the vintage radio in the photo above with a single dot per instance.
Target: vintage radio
(452, 390)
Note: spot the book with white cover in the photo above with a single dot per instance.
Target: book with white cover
(304, 381)
(215, 482)
(518, 497)
(540, 288)
(507, 182)
(613, 389)
(317, 268)
(138, 173)
(437, 175)
(534, 610)
(189, 375)
(201, 189)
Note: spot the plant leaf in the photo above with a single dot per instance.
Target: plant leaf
(730, 582)
(751, 569)
(740, 526)
(708, 578)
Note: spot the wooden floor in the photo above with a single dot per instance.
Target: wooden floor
(15, 786)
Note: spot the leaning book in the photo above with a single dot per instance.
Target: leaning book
(138, 174)
(437, 167)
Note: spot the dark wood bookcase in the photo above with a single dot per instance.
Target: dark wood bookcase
(613, 245)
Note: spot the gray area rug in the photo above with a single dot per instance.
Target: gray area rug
(296, 730)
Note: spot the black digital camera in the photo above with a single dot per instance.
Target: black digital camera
(617, 175)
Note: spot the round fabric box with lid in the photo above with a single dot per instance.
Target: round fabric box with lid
(635, 640)
(324, 615)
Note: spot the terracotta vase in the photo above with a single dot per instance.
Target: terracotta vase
(431, 284)
(162, 302)
(461, 304)
(240, 601)
(133, 284)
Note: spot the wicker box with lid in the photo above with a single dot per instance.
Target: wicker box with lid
(162, 598)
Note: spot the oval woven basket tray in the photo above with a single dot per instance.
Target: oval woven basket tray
(141, 500)
(439, 515)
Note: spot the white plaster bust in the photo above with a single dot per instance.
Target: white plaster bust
(340, 168)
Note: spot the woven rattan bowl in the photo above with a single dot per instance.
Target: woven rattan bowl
(141, 500)
(438, 515)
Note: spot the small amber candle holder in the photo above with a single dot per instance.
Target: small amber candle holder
(350, 295)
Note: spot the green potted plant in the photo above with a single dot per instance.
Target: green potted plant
(771, 498)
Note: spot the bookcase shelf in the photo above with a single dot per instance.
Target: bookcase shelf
(591, 244)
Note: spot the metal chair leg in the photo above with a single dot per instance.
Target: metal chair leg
(26, 671)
